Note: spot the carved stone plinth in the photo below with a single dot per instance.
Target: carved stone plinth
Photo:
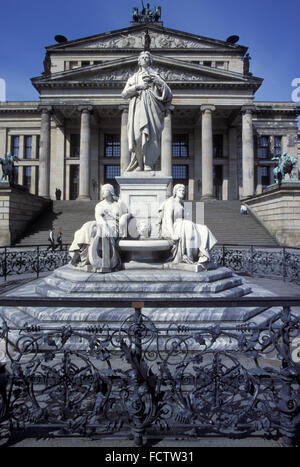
(143, 193)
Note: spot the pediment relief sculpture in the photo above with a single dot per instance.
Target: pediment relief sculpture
(158, 41)
(166, 73)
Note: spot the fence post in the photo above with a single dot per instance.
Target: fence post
(284, 264)
(251, 260)
(138, 429)
(223, 255)
(287, 404)
(5, 264)
(38, 261)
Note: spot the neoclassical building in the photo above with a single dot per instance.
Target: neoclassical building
(218, 140)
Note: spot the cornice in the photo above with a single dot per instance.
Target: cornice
(120, 84)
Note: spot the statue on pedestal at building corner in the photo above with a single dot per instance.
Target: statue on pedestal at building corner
(8, 168)
(150, 99)
(285, 165)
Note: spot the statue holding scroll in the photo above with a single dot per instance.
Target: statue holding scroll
(150, 99)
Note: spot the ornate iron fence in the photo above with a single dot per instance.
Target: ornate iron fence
(277, 262)
(262, 261)
(147, 380)
(35, 259)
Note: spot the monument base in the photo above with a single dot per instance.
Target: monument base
(138, 285)
(143, 193)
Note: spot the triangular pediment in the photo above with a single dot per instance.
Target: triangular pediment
(171, 70)
(133, 38)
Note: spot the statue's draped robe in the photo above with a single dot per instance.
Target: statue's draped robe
(147, 110)
(97, 241)
(194, 240)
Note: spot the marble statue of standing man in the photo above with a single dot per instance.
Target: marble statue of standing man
(150, 99)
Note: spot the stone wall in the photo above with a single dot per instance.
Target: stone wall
(278, 209)
(18, 209)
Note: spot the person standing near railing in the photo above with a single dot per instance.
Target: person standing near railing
(51, 239)
(59, 239)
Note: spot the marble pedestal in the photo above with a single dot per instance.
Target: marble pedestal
(143, 193)
(136, 285)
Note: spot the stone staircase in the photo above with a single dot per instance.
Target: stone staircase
(69, 215)
(222, 217)
(230, 227)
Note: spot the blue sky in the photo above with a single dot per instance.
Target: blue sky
(269, 28)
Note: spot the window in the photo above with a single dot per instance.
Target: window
(74, 181)
(85, 63)
(207, 63)
(112, 145)
(97, 62)
(220, 64)
(277, 145)
(73, 64)
(112, 171)
(181, 175)
(75, 145)
(180, 145)
(218, 146)
(263, 147)
(15, 144)
(28, 147)
(37, 154)
(265, 176)
(27, 177)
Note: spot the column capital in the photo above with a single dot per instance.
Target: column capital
(207, 108)
(85, 108)
(124, 107)
(45, 109)
(248, 109)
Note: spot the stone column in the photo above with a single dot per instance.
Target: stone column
(233, 179)
(166, 148)
(124, 149)
(33, 179)
(247, 151)
(34, 147)
(85, 149)
(259, 180)
(197, 163)
(3, 141)
(44, 166)
(21, 147)
(207, 152)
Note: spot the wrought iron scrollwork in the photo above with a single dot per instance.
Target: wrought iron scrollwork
(144, 378)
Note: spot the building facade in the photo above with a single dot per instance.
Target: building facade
(217, 139)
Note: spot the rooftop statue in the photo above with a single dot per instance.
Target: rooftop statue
(147, 15)
(8, 168)
(150, 99)
(95, 244)
(285, 165)
(191, 243)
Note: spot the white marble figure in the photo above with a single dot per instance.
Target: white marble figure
(95, 243)
(150, 99)
(191, 243)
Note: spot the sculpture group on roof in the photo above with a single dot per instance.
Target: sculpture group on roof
(146, 15)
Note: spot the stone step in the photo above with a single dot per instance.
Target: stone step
(142, 287)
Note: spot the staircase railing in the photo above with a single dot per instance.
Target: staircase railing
(143, 379)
